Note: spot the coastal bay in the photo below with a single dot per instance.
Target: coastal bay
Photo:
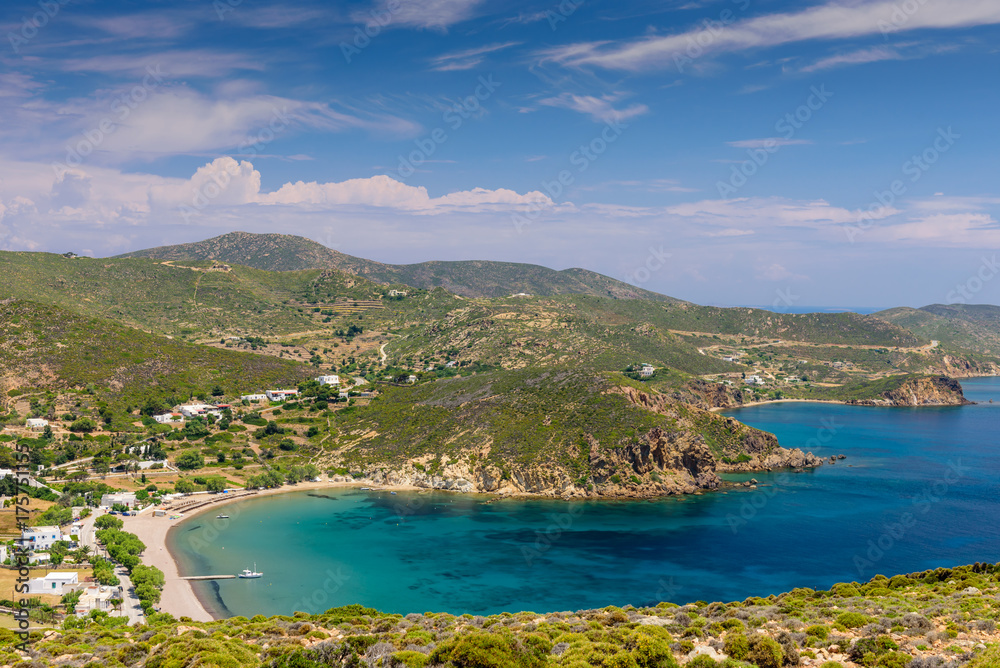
(917, 490)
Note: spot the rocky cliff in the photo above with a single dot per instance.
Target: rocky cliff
(922, 391)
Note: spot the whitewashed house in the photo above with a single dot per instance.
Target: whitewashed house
(36, 424)
(331, 379)
(753, 380)
(95, 598)
(411, 379)
(280, 395)
(194, 410)
(166, 418)
(646, 370)
(53, 583)
(126, 499)
(40, 538)
(253, 398)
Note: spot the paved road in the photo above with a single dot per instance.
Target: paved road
(130, 603)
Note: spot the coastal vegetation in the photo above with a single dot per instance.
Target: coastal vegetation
(942, 618)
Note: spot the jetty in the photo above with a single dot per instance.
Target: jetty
(209, 577)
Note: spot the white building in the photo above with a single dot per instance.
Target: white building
(411, 379)
(36, 424)
(194, 410)
(450, 365)
(280, 395)
(398, 293)
(4, 553)
(169, 417)
(126, 499)
(53, 583)
(40, 538)
(646, 370)
(253, 397)
(332, 379)
(753, 380)
(343, 394)
(95, 598)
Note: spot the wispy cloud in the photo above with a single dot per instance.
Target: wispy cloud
(828, 21)
(426, 14)
(767, 142)
(859, 57)
(600, 109)
(467, 59)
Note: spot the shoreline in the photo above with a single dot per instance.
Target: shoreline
(179, 597)
(718, 409)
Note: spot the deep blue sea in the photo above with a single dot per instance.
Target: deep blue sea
(920, 488)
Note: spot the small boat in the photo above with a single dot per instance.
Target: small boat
(366, 489)
(222, 517)
(392, 492)
(248, 574)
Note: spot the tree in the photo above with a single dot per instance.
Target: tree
(108, 522)
(190, 460)
(47, 433)
(217, 391)
(84, 424)
(184, 486)
(216, 484)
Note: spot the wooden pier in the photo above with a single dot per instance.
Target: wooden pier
(209, 577)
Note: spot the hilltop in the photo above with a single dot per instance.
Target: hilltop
(472, 278)
(973, 327)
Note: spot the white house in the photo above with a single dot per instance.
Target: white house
(728, 358)
(450, 365)
(40, 538)
(646, 370)
(124, 498)
(411, 379)
(332, 379)
(95, 598)
(4, 553)
(53, 583)
(194, 410)
(36, 424)
(398, 293)
(253, 397)
(280, 395)
(753, 380)
(169, 417)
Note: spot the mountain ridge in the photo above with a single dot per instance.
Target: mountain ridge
(467, 278)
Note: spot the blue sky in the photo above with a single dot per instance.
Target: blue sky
(722, 151)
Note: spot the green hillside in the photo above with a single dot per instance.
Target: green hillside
(473, 278)
(45, 347)
(968, 327)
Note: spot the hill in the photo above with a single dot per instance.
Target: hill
(966, 326)
(941, 617)
(43, 347)
(474, 278)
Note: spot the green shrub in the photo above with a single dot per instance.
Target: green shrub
(483, 649)
(819, 631)
(853, 620)
(411, 659)
(737, 646)
(765, 652)
(702, 661)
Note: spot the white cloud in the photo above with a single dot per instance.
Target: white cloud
(467, 59)
(828, 21)
(859, 57)
(425, 14)
(174, 64)
(768, 142)
(600, 109)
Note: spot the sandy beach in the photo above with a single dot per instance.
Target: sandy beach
(179, 598)
(716, 409)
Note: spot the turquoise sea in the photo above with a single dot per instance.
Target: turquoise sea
(920, 488)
